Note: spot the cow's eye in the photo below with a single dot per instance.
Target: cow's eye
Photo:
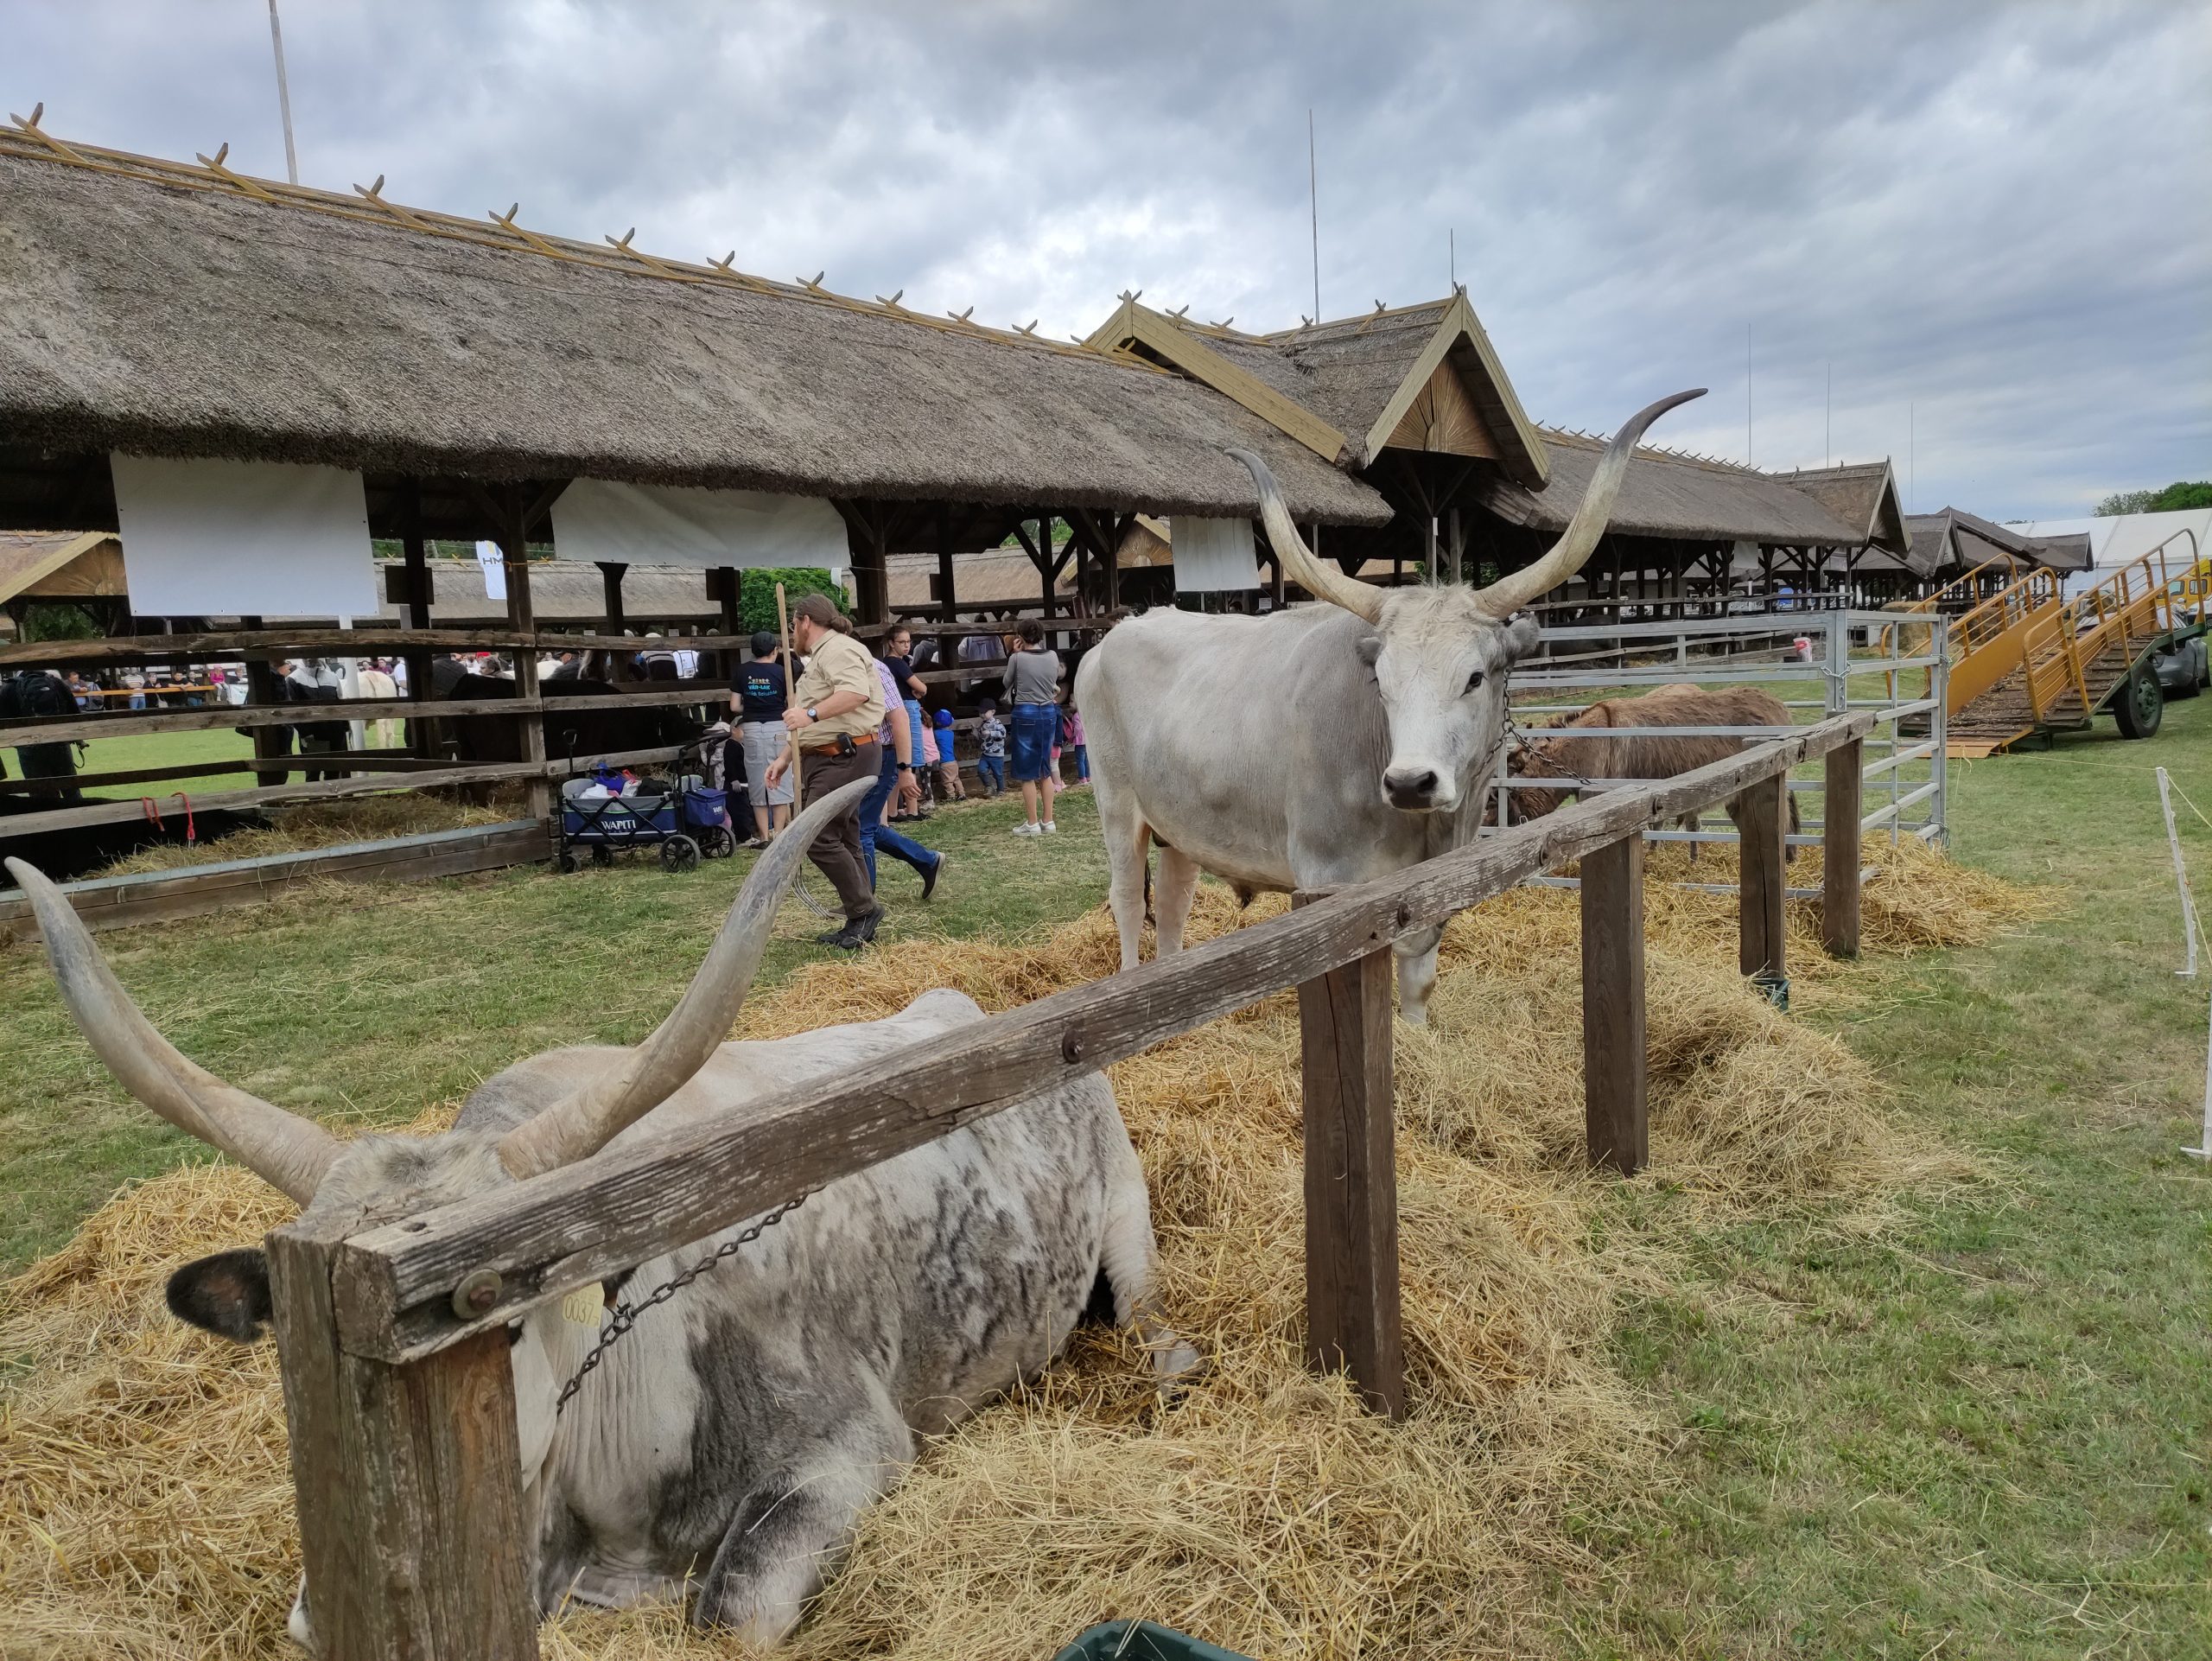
(1475, 681)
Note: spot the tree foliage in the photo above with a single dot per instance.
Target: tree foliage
(756, 593)
(2175, 497)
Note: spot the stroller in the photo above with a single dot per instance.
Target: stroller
(603, 812)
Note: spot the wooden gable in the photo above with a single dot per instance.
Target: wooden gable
(1443, 418)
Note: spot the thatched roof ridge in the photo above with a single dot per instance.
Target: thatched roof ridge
(1347, 381)
(2069, 552)
(179, 311)
(1955, 540)
(1673, 496)
(1864, 494)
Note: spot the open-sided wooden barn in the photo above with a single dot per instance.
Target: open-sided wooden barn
(1415, 401)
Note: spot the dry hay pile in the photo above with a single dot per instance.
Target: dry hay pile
(145, 1509)
(325, 824)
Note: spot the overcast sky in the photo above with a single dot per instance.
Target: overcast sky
(1986, 222)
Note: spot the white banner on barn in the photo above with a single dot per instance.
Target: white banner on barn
(674, 524)
(1213, 555)
(240, 539)
(492, 560)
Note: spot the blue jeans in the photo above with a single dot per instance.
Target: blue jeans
(992, 770)
(1081, 753)
(875, 834)
(1032, 732)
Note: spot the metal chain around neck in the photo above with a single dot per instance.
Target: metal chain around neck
(626, 1314)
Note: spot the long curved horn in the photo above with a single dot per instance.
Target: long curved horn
(1579, 540)
(1299, 564)
(289, 1152)
(581, 1125)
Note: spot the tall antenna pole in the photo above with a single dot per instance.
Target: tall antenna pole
(1452, 256)
(284, 95)
(1827, 429)
(1747, 392)
(1911, 456)
(1314, 196)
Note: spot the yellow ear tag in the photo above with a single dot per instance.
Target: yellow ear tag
(584, 1305)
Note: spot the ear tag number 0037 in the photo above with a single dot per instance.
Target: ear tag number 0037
(584, 1305)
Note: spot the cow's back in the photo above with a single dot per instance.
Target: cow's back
(1232, 734)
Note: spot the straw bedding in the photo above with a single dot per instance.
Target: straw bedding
(326, 824)
(145, 1511)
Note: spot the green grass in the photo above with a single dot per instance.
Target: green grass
(1981, 1433)
(365, 1004)
(170, 750)
(1985, 1432)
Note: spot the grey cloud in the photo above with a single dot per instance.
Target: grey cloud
(1990, 213)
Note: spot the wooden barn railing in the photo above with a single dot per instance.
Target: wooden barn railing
(396, 1379)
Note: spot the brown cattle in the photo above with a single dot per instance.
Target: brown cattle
(1626, 756)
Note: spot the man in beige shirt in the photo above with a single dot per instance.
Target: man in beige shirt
(837, 710)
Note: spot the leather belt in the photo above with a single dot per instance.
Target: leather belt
(858, 739)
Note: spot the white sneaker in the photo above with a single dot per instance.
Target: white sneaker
(1028, 829)
(1049, 826)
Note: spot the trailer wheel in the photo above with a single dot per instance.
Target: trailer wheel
(2141, 705)
(679, 855)
(601, 854)
(567, 862)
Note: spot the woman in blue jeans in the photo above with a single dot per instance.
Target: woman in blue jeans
(1033, 684)
(898, 761)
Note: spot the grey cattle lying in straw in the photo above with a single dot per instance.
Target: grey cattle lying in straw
(1627, 756)
(730, 1443)
(1318, 746)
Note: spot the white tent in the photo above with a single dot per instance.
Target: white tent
(2118, 539)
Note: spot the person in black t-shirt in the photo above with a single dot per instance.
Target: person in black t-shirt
(758, 694)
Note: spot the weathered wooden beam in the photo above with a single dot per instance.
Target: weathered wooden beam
(436, 778)
(583, 1223)
(514, 544)
(251, 716)
(1840, 849)
(408, 1480)
(248, 643)
(1614, 1091)
(1352, 1309)
(1761, 882)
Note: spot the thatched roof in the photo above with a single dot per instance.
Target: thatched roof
(1955, 541)
(994, 578)
(2070, 552)
(1861, 493)
(52, 564)
(563, 593)
(184, 310)
(1673, 496)
(1355, 377)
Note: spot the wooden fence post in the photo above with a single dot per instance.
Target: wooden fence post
(1615, 1102)
(408, 1479)
(1352, 1179)
(1761, 824)
(1839, 852)
(514, 542)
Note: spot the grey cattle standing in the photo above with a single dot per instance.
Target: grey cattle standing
(728, 1444)
(1318, 746)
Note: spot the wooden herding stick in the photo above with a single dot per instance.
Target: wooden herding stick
(791, 689)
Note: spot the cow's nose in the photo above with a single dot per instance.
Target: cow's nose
(1410, 786)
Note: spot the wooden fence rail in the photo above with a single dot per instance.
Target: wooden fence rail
(399, 1395)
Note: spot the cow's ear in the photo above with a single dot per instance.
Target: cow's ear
(226, 1294)
(1521, 636)
(1371, 648)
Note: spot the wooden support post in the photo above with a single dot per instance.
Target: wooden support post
(946, 598)
(1352, 1179)
(409, 1481)
(514, 543)
(1116, 528)
(1839, 813)
(417, 574)
(610, 577)
(728, 589)
(270, 743)
(1615, 1105)
(1044, 572)
(1760, 818)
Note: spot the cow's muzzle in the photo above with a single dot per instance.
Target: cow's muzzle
(1417, 790)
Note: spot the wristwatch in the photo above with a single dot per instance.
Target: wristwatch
(813, 716)
(905, 766)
